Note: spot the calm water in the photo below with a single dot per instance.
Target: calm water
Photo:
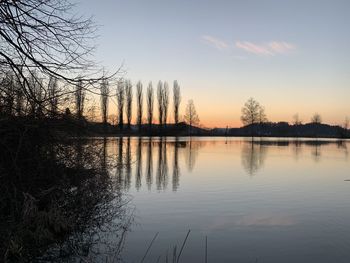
(270, 200)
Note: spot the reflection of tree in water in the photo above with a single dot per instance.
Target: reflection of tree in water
(120, 163)
(253, 156)
(176, 168)
(162, 169)
(138, 171)
(67, 201)
(297, 148)
(127, 181)
(343, 146)
(316, 151)
(134, 149)
(149, 167)
(192, 149)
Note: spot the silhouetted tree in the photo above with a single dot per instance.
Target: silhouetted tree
(113, 119)
(38, 97)
(104, 101)
(45, 36)
(120, 103)
(316, 118)
(177, 100)
(191, 116)
(165, 100)
(160, 102)
(128, 105)
(346, 123)
(79, 99)
(262, 115)
(139, 101)
(150, 103)
(7, 94)
(53, 95)
(250, 112)
(19, 99)
(296, 120)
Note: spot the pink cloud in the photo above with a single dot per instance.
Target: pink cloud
(253, 48)
(281, 47)
(215, 42)
(268, 49)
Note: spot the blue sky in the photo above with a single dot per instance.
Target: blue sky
(291, 56)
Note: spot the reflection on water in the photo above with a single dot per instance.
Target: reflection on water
(158, 151)
(264, 200)
(275, 200)
(253, 156)
(150, 156)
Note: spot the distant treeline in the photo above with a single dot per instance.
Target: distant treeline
(50, 99)
(284, 129)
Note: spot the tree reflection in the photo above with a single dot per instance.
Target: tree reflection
(138, 171)
(120, 163)
(253, 156)
(127, 181)
(176, 168)
(149, 167)
(162, 168)
(156, 151)
(192, 148)
(316, 151)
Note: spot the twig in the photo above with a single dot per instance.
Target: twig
(206, 249)
(183, 244)
(149, 247)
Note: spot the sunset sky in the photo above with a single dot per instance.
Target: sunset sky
(291, 56)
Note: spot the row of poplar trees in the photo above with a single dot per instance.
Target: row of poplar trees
(124, 100)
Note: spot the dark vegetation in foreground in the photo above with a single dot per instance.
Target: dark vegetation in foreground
(57, 197)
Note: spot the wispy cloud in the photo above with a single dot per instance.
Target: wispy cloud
(253, 48)
(215, 42)
(268, 49)
(281, 47)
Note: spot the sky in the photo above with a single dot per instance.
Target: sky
(292, 56)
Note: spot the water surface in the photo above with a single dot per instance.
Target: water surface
(267, 200)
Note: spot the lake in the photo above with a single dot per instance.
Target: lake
(235, 199)
(266, 200)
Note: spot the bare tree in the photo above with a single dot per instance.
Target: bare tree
(316, 118)
(38, 95)
(120, 103)
(43, 39)
(113, 118)
(262, 115)
(128, 105)
(53, 96)
(19, 99)
(139, 101)
(296, 119)
(191, 116)
(79, 99)
(7, 94)
(150, 104)
(346, 123)
(250, 112)
(160, 102)
(165, 101)
(104, 100)
(177, 101)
